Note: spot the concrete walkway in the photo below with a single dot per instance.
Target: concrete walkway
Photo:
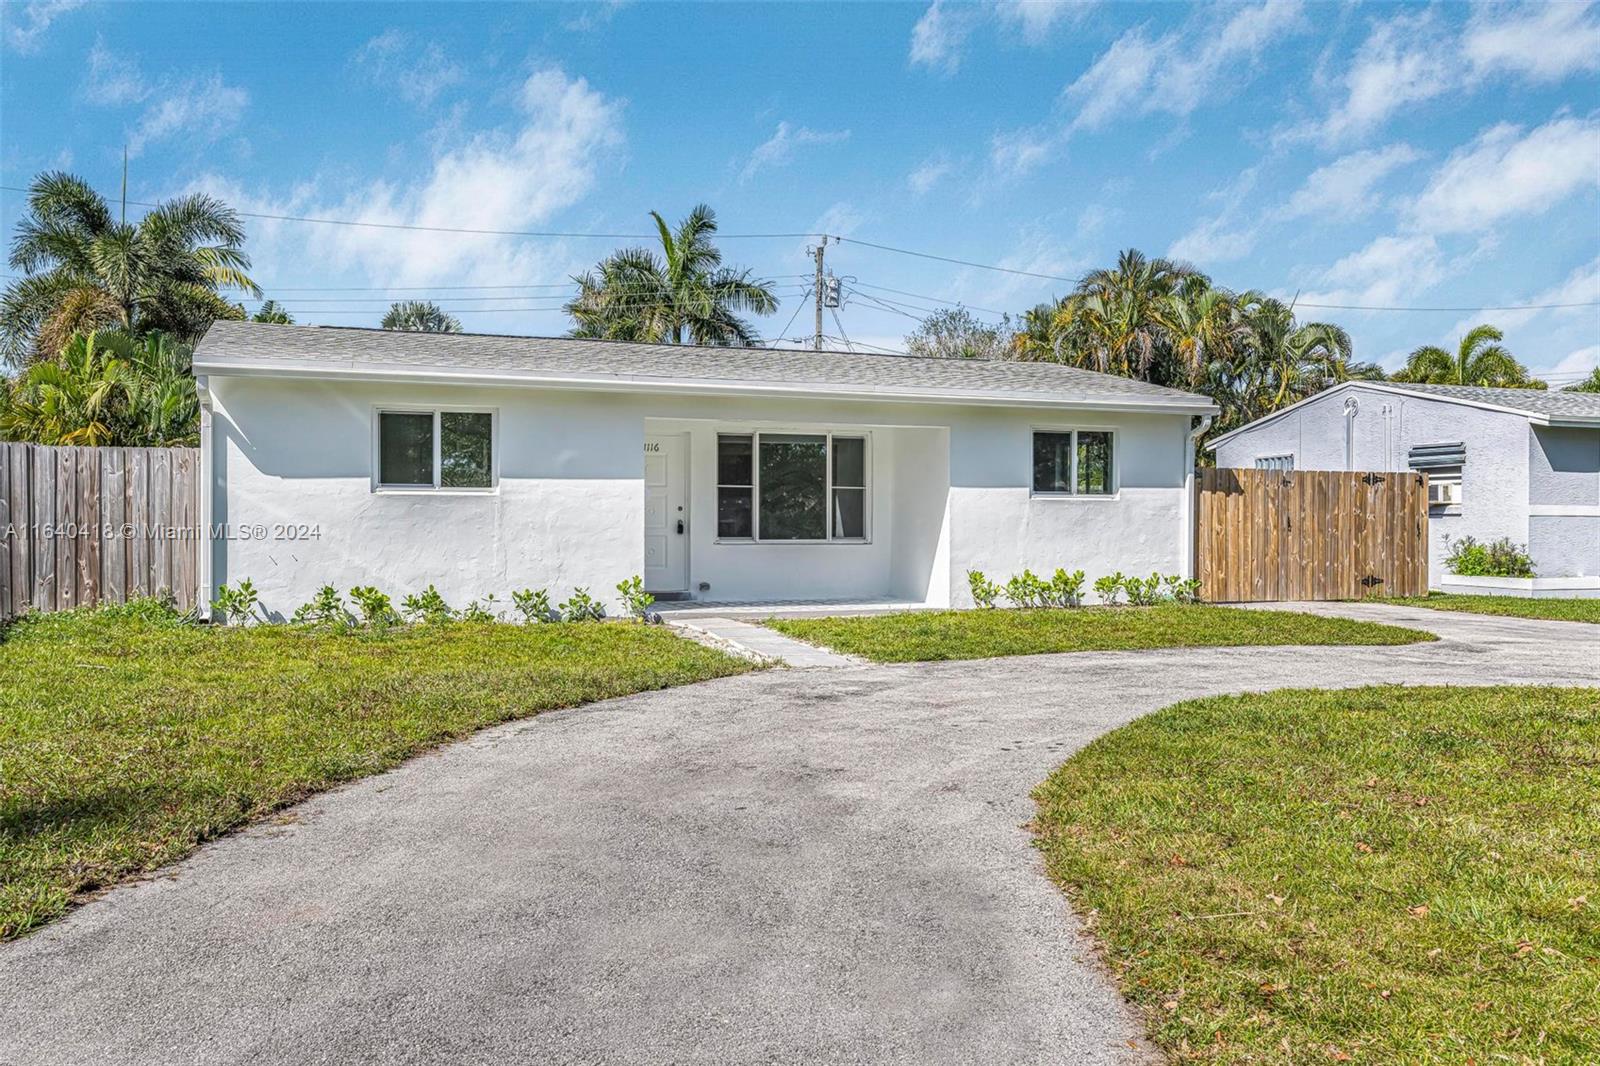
(758, 642)
(791, 866)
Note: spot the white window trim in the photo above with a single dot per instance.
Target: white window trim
(865, 436)
(435, 489)
(1116, 464)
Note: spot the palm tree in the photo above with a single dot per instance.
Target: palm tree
(274, 312)
(1588, 384)
(1480, 359)
(420, 316)
(683, 296)
(106, 388)
(83, 269)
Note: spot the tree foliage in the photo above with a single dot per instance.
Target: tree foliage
(679, 295)
(954, 333)
(83, 269)
(1588, 384)
(274, 312)
(420, 316)
(1480, 359)
(105, 388)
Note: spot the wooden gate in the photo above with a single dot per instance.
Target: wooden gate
(82, 526)
(1266, 535)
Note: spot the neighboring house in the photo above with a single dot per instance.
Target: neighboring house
(484, 464)
(1518, 463)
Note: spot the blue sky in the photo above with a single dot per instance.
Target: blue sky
(1432, 156)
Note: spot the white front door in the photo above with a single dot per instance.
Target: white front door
(666, 513)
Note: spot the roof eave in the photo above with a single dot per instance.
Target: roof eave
(706, 387)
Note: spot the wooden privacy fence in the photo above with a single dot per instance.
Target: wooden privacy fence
(1311, 535)
(81, 526)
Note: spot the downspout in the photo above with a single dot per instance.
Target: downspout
(1352, 407)
(1190, 503)
(204, 594)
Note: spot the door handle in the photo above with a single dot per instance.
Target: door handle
(680, 527)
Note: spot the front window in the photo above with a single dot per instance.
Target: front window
(791, 487)
(1077, 462)
(435, 449)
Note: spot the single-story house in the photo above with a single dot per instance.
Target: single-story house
(1517, 463)
(484, 464)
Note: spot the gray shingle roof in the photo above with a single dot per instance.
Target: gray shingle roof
(253, 347)
(1534, 401)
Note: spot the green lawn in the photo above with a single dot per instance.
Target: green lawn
(124, 743)
(1560, 610)
(920, 636)
(1390, 874)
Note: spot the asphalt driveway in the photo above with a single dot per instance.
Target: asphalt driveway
(794, 866)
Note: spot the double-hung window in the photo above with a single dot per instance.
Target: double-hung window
(791, 487)
(435, 449)
(1074, 462)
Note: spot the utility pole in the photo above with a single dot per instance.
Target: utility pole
(816, 343)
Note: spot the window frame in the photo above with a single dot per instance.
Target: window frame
(380, 487)
(864, 436)
(1116, 463)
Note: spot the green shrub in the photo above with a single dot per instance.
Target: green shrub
(1183, 590)
(534, 606)
(480, 611)
(635, 600)
(582, 607)
(1066, 590)
(1109, 587)
(376, 609)
(1027, 590)
(326, 608)
(236, 604)
(1499, 558)
(984, 591)
(426, 606)
(1143, 592)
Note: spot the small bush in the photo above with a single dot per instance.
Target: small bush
(1183, 590)
(1066, 590)
(1499, 558)
(984, 591)
(582, 607)
(236, 604)
(533, 605)
(427, 606)
(326, 608)
(635, 600)
(1027, 590)
(1143, 592)
(480, 611)
(376, 609)
(1109, 587)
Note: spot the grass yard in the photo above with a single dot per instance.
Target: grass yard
(1559, 610)
(921, 636)
(1378, 875)
(126, 739)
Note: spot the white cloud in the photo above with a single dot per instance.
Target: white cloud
(1017, 152)
(1578, 363)
(1386, 272)
(1543, 42)
(1582, 286)
(1179, 71)
(779, 149)
(1412, 58)
(595, 15)
(938, 36)
(113, 79)
(201, 109)
(25, 30)
(507, 178)
(1344, 189)
(417, 72)
(1214, 241)
(928, 174)
(1035, 18)
(1505, 172)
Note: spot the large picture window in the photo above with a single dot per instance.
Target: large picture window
(435, 449)
(1076, 462)
(791, 487)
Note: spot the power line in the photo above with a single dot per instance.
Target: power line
(958, 262)
(1475, 307)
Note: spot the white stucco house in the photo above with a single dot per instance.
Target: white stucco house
(1517, 463)
(484, 464)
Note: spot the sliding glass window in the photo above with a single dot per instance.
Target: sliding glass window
(809, 487)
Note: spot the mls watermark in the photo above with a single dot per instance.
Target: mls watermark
(253, 531)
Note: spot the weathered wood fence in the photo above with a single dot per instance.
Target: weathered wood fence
(1311, 535)
(81, 526)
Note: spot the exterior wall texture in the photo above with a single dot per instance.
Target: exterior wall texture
(1564, 497)
(950, 491)
(1494, 481)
